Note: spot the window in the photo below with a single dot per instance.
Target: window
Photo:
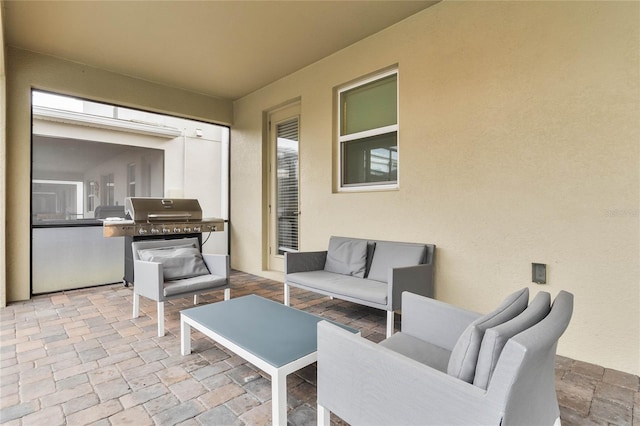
(108, 190)
(368, 133)
(131, 178)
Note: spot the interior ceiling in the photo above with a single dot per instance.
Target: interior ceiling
(219, 48)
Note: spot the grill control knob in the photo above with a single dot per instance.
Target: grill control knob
(176, 230)
(155, 231)
(187, 229)
(166, 230)
(196, 229)
(142, 231)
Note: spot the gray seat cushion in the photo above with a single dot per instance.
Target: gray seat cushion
(194, 284)
(394, 255)
(464, 355)
(496, 337)
(342, 285)
(346, 256)
(419, 350)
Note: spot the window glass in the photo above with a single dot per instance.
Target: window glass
(371, 160)
(369, 106)
(368, 135)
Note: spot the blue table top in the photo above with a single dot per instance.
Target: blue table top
(276, 333)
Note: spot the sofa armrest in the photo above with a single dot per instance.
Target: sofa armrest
(417, 279)
(434, 321)
(304, 261)
(365, 383)
(148, 279)
(218, 264)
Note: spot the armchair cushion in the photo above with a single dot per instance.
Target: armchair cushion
(177, 262)
(193, 285)
(394, 255)
(346, 256)
(464, 355)
(419, 350)
(495, 338)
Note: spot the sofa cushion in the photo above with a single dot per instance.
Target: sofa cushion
(193, 284)
(464, 355)
(341, 285)
(177, 262)
(394, 255)
(419, 350)
(496, 337)
(346, 256)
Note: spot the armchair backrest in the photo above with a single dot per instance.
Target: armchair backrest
(524, 379)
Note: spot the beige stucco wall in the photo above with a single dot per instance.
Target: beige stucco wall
(26, 70)
(519, 143)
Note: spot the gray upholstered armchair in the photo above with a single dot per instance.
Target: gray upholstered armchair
(447, 366)
(170, 269)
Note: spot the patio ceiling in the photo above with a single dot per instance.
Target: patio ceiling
(219, 48)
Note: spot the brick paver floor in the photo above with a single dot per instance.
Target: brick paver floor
(77, 357)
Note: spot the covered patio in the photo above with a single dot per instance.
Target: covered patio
(77, 357)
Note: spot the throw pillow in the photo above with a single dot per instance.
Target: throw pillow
(394, 255)
(346, 256)
(495, 338)
(464, 356)
(177, 262)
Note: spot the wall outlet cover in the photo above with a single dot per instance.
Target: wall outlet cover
(539, 273)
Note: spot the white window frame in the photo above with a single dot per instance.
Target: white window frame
(341, 140)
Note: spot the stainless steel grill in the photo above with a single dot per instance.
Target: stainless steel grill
(161, 216)
(158, 218)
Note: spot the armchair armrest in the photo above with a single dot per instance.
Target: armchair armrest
(416, 279)
(218, 264)
(356, 378)
(148, 279)
(304, 261)
(434, 321)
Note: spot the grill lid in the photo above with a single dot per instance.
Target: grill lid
(146, 209)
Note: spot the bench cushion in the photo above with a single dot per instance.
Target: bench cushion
(346, 256)
(419, 350)
(464, 355)
(342, 285)
(394, 255)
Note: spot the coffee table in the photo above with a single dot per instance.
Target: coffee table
(275, 338)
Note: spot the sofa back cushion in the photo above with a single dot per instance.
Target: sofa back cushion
(346, 256)
(496, 337)
(390, 254)
(177, 262)
(464, 355)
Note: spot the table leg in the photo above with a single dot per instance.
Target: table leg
(324, 416)
(279, 399)
(185, 337)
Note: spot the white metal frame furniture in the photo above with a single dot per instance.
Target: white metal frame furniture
(406, 380)
(373, 273)
(150, 282)
(275, 338)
